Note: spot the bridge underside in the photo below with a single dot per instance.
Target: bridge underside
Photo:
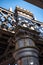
(38, 3)
(9, 26)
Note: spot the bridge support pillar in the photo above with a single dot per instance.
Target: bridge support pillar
(26, 52)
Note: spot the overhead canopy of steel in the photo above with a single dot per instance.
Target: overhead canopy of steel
(22, 27)
(38, 3)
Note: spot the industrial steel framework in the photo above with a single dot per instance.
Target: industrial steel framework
(21, 38)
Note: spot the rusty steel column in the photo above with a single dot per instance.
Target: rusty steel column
(26, 52)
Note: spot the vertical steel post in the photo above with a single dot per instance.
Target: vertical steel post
(26, 52)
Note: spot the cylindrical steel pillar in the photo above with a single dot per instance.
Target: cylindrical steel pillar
(26, 52)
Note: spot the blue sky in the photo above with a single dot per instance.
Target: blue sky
(38, 12)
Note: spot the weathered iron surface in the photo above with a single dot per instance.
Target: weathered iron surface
(19, 28)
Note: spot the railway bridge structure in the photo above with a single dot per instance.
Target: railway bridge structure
(21, 38)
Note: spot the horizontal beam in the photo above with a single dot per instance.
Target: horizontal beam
(38, 3)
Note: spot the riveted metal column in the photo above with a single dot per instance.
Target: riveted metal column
(26, 52)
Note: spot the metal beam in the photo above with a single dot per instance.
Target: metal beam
(38, 3)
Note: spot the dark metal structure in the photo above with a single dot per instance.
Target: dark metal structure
(38, 3)
(21, 38)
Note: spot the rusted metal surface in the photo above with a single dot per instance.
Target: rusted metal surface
(25, 50)
(18, 27)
